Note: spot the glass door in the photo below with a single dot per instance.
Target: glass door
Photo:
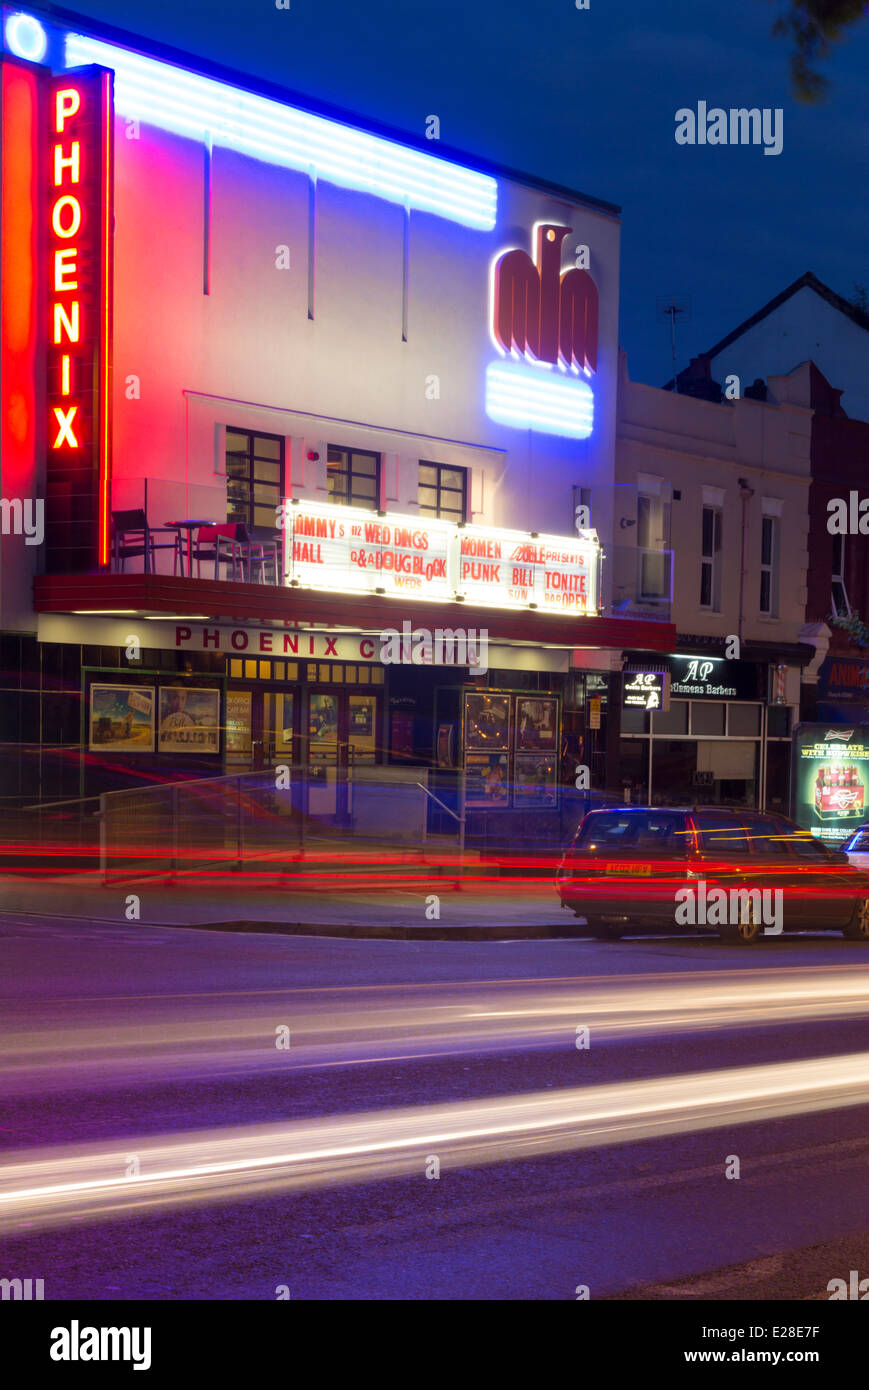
(324, 754)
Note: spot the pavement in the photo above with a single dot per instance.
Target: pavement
(421, 905)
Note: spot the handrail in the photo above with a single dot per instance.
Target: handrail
(50, 805)
(437, 800)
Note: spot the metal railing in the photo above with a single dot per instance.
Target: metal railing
(269, 821)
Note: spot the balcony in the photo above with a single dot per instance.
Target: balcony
(642, 582)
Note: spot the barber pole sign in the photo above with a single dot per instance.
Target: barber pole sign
(78, 282)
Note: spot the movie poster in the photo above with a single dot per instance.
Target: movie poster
(487, 780)
(537, 723)
(487, 722)
(535, 780)
(189, 720)
(121, 719)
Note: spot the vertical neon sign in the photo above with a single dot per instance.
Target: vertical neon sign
(79, 281)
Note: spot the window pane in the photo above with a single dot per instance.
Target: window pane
(428, 497)
(705, 584)
(766, 838)
(764, 591)
(674, 720)
(236, 442)
(266, 472)
(365, 464)
(364, 487)
(743, 720)
(266, 448)
(720, 834)
(766, 541)
(452, 477)
(707, 718)
(706, 547)
(428, 473)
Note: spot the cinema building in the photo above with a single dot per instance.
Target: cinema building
(283, 384)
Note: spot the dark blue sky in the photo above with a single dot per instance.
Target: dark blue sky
(588, 99)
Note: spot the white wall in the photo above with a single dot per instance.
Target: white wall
(804, 328)
(251, 340)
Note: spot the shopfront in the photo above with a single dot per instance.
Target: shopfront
(719, 741)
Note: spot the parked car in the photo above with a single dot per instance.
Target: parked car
(857, 847)
(736, 872)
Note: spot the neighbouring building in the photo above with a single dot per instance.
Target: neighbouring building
(807, 322)
(724, 486)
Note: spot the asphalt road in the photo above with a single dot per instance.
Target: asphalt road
(191, 1154)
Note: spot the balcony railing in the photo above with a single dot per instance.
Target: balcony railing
(641, 581)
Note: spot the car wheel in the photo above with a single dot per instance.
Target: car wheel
(858, 927)
(743, 933)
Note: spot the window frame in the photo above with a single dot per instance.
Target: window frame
(352, 499)
(839, 609)
(425, 509)
(251, 481)
(769, 568)
(711, 561)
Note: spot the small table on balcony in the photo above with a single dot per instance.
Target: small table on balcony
(189, 526)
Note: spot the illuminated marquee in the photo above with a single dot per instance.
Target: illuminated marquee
(348, 550)
(78, 285)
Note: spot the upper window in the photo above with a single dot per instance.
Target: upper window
(841, 606)
(769, 566)
(443, 491)
(353, 478)
(710, 559)
(254, 477)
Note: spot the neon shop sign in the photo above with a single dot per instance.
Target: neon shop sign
(79, 284)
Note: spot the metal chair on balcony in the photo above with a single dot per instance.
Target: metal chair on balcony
(222, 545)
(133, 538)
(263, 554)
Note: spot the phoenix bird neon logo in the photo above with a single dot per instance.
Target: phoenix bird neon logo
(540, 312)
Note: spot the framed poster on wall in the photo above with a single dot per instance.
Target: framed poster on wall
(535, 778)
(536, 723)
(487, 721)
(189, 720)
(487, 780)
(121, 719)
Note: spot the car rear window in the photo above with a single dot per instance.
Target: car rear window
(860, 843)
(646, 831)
(720, 833)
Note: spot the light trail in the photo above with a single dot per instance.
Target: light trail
(49, 1187)
(177, 1037)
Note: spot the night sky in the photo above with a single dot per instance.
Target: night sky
(588, 99)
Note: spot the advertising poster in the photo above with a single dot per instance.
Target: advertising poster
(831, 775)
(121, 719)
(537, 723)
(189, 720)
(487, 781)
(535, 777)
(487, 722)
